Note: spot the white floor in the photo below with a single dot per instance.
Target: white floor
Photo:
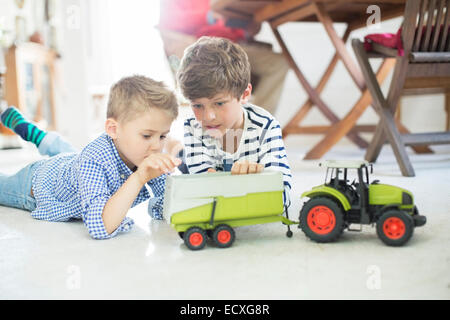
(46, 260)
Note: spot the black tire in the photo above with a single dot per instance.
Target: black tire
(395, 227)
(318, 210)
(195, 238)
(223, 236)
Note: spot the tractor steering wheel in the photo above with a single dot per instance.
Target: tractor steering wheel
(354, 184)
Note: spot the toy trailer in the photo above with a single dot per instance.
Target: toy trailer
(212, 204)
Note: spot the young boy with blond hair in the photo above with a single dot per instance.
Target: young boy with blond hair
(100, 183)
(227, 133)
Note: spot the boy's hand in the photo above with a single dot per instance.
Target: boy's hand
(246, 167)
(173, 146)
(155, 165)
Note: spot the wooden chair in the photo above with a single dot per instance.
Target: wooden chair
(424, 66)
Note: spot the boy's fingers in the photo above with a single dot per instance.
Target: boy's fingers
(175, 161)
(235, 168)
(211, 170)
(252, 168)
(172, 161)
(169, 164)
(243, 169)
(154, 164)
(166, 162)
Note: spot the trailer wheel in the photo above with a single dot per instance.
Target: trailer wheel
(195, 238)
(395, 227)
(321, 219)
(223, 236)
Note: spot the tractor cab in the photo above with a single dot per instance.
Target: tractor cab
(351, 178)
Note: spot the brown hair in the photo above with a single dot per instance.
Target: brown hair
(132, 95)
(211, 66)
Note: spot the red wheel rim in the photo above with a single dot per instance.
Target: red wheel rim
(321, 219)
(196, 239)
(224, 236)
(394, 228)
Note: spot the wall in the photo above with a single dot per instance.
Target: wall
(91, 60)
(8, 12)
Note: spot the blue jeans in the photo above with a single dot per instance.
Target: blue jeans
(15, 190)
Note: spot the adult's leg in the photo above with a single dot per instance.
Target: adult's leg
(271, 69)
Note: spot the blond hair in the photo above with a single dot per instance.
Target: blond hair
(133, 95)
(211, 66)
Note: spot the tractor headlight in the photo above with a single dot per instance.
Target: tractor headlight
(406, 198)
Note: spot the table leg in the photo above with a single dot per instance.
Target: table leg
(447, 109)
(339, 44)
(313, 95)
(307, 106)
(338, 131)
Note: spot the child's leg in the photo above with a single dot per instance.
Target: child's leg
(15, 190)
(48, 143)
(53, 144)
(14, 120)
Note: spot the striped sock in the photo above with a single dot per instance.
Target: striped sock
(13, 119)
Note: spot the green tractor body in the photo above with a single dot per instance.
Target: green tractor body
(337, 204)
(384, 194)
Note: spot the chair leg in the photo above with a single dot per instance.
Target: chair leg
(390, 129)
(385, 110)
(374, 149)
(417, 149)
(447, 109)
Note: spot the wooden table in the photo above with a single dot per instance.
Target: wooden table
(326, 12)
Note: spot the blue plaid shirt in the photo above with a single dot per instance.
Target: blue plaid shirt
(78, 186)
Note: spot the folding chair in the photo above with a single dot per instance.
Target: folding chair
(424, 65)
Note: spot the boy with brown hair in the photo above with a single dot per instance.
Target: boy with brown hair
(99, 184)
(227, 133)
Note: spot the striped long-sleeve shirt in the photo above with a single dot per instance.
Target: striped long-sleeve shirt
(261, 142)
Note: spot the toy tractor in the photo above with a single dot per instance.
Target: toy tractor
(337, 204)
